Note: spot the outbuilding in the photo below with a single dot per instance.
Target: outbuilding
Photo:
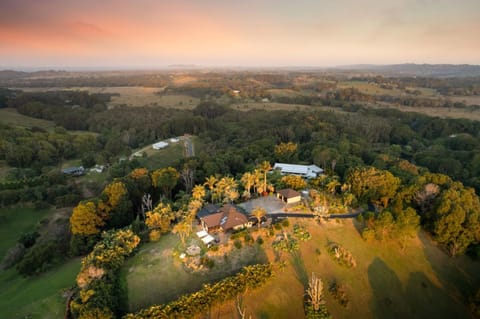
(289, 196)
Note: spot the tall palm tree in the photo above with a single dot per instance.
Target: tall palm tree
(210, 183)
(247, 179)
(265, 167)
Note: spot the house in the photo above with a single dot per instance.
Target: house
(159, 145)
(226, 218)
(289, 196)
(306, 171)
(208, 209)
(74, 171)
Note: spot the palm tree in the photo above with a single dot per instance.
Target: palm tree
(265, 167)
(258, 212)
(248, 179)
(198, 192)
(332, 186)
(210, 183)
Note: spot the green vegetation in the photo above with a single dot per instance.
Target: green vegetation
(410, 174)
(40, 297)
(156, 266)
(15, 221)
(200, 302)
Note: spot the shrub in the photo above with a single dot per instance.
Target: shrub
(207, 262)
(259, 240)
(339, 294)
(301, 233)
(341, 255)
(28, 239)
(237, 243)
(285, 223)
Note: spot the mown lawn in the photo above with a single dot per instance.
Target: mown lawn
(39, 297)
(155, 276)
(421, 282)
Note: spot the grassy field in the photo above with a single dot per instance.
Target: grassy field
(16, 221)
(421, 282)
(133, 96)
(270, 106)
(40, 297)
(35, 297)
(12, 117)
(162, 158)
(154, 275)
(441, 112)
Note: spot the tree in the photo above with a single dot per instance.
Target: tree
(183, 229)
(455, 221)
(407, 223)
(333, 185)
(285, 152)
(294, 181)
(372, 184)
(210, 183)
(85, 220)
(198, 192)
(166, 179)
(259, 212)
(248, 180)
(265, 167)
(158, 221)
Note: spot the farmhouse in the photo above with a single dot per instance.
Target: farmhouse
(159, 145)
(306, 171)
(289, 196)
(224, 219)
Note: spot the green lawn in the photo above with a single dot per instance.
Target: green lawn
(14, 222)
(162, 158)
(155, 276)
(36, 297)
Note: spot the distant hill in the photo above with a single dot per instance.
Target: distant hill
(411, 69)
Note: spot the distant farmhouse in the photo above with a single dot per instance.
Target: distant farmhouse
(306, 171)
(74, 171)
(222, 219)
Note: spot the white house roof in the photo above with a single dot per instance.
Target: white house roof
(309, 171)
(159, 145)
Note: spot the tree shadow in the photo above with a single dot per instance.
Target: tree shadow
(425, 298)
(460, 278)
(299, 268)
(387, 289)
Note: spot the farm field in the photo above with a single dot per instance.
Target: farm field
(10, 116)
(133, 96)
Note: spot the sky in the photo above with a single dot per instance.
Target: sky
(248, 33)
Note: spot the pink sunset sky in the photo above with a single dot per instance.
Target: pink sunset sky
(156, 33)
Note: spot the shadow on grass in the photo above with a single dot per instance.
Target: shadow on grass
(459, 275)
(299, 267)
(387, 291)
(426, 299)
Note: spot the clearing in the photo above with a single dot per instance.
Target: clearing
(10, 116)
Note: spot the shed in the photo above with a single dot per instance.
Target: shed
(289, 196)
(159, 145)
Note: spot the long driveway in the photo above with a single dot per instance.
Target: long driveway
(275, 209)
